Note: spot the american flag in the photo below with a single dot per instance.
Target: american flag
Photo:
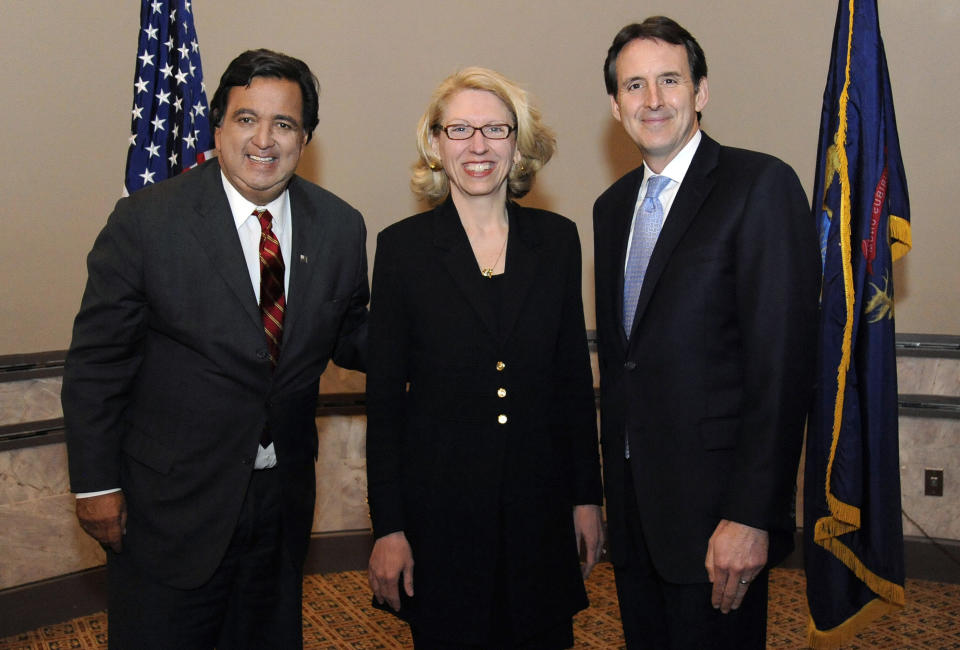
(169, 130)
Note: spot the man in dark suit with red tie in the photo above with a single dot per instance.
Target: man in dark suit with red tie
(707, 277)
(213, 304)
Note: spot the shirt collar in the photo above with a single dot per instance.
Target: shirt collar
(242, 209)
(677, 168)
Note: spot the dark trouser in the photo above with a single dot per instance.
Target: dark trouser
(659, 614)
(253, 600)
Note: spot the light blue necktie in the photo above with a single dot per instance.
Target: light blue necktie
(646, 229)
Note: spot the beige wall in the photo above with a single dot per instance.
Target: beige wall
(65, 92)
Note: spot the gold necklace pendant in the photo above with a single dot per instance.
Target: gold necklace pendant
(487, 271)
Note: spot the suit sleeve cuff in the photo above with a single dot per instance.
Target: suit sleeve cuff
(85, 495)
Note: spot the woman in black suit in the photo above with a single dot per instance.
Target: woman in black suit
(482, 461)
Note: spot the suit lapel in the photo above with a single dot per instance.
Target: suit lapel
(305, 253)
(523, 259)
(696, 186)
(217, 233)
(458, 258)
(522, 262)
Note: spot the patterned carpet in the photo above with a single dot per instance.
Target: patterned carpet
(337, 614)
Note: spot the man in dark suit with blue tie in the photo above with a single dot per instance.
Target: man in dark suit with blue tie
(213, 304)
(707, 277)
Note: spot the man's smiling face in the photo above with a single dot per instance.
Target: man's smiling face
(656, 100)
(261, 137)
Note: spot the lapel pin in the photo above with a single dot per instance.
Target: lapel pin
(304, 258)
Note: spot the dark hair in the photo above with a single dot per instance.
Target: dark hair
(267, 63)
(658, 28)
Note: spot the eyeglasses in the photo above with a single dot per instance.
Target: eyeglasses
(466, 131)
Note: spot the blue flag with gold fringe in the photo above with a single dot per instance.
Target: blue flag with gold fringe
(853, 532)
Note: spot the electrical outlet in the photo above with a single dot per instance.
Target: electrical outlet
(933, 482)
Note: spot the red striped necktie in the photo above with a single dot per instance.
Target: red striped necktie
(272, 302)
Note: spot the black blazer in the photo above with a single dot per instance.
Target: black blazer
(168, 386)
(713, 384)
(468, 490)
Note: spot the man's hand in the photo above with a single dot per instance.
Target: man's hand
(391, 558)
(735, 555)
(588, 526)
(104, 518)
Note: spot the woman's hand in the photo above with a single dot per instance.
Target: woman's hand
(588, 526)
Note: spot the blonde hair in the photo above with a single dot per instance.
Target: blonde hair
(536, 142)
